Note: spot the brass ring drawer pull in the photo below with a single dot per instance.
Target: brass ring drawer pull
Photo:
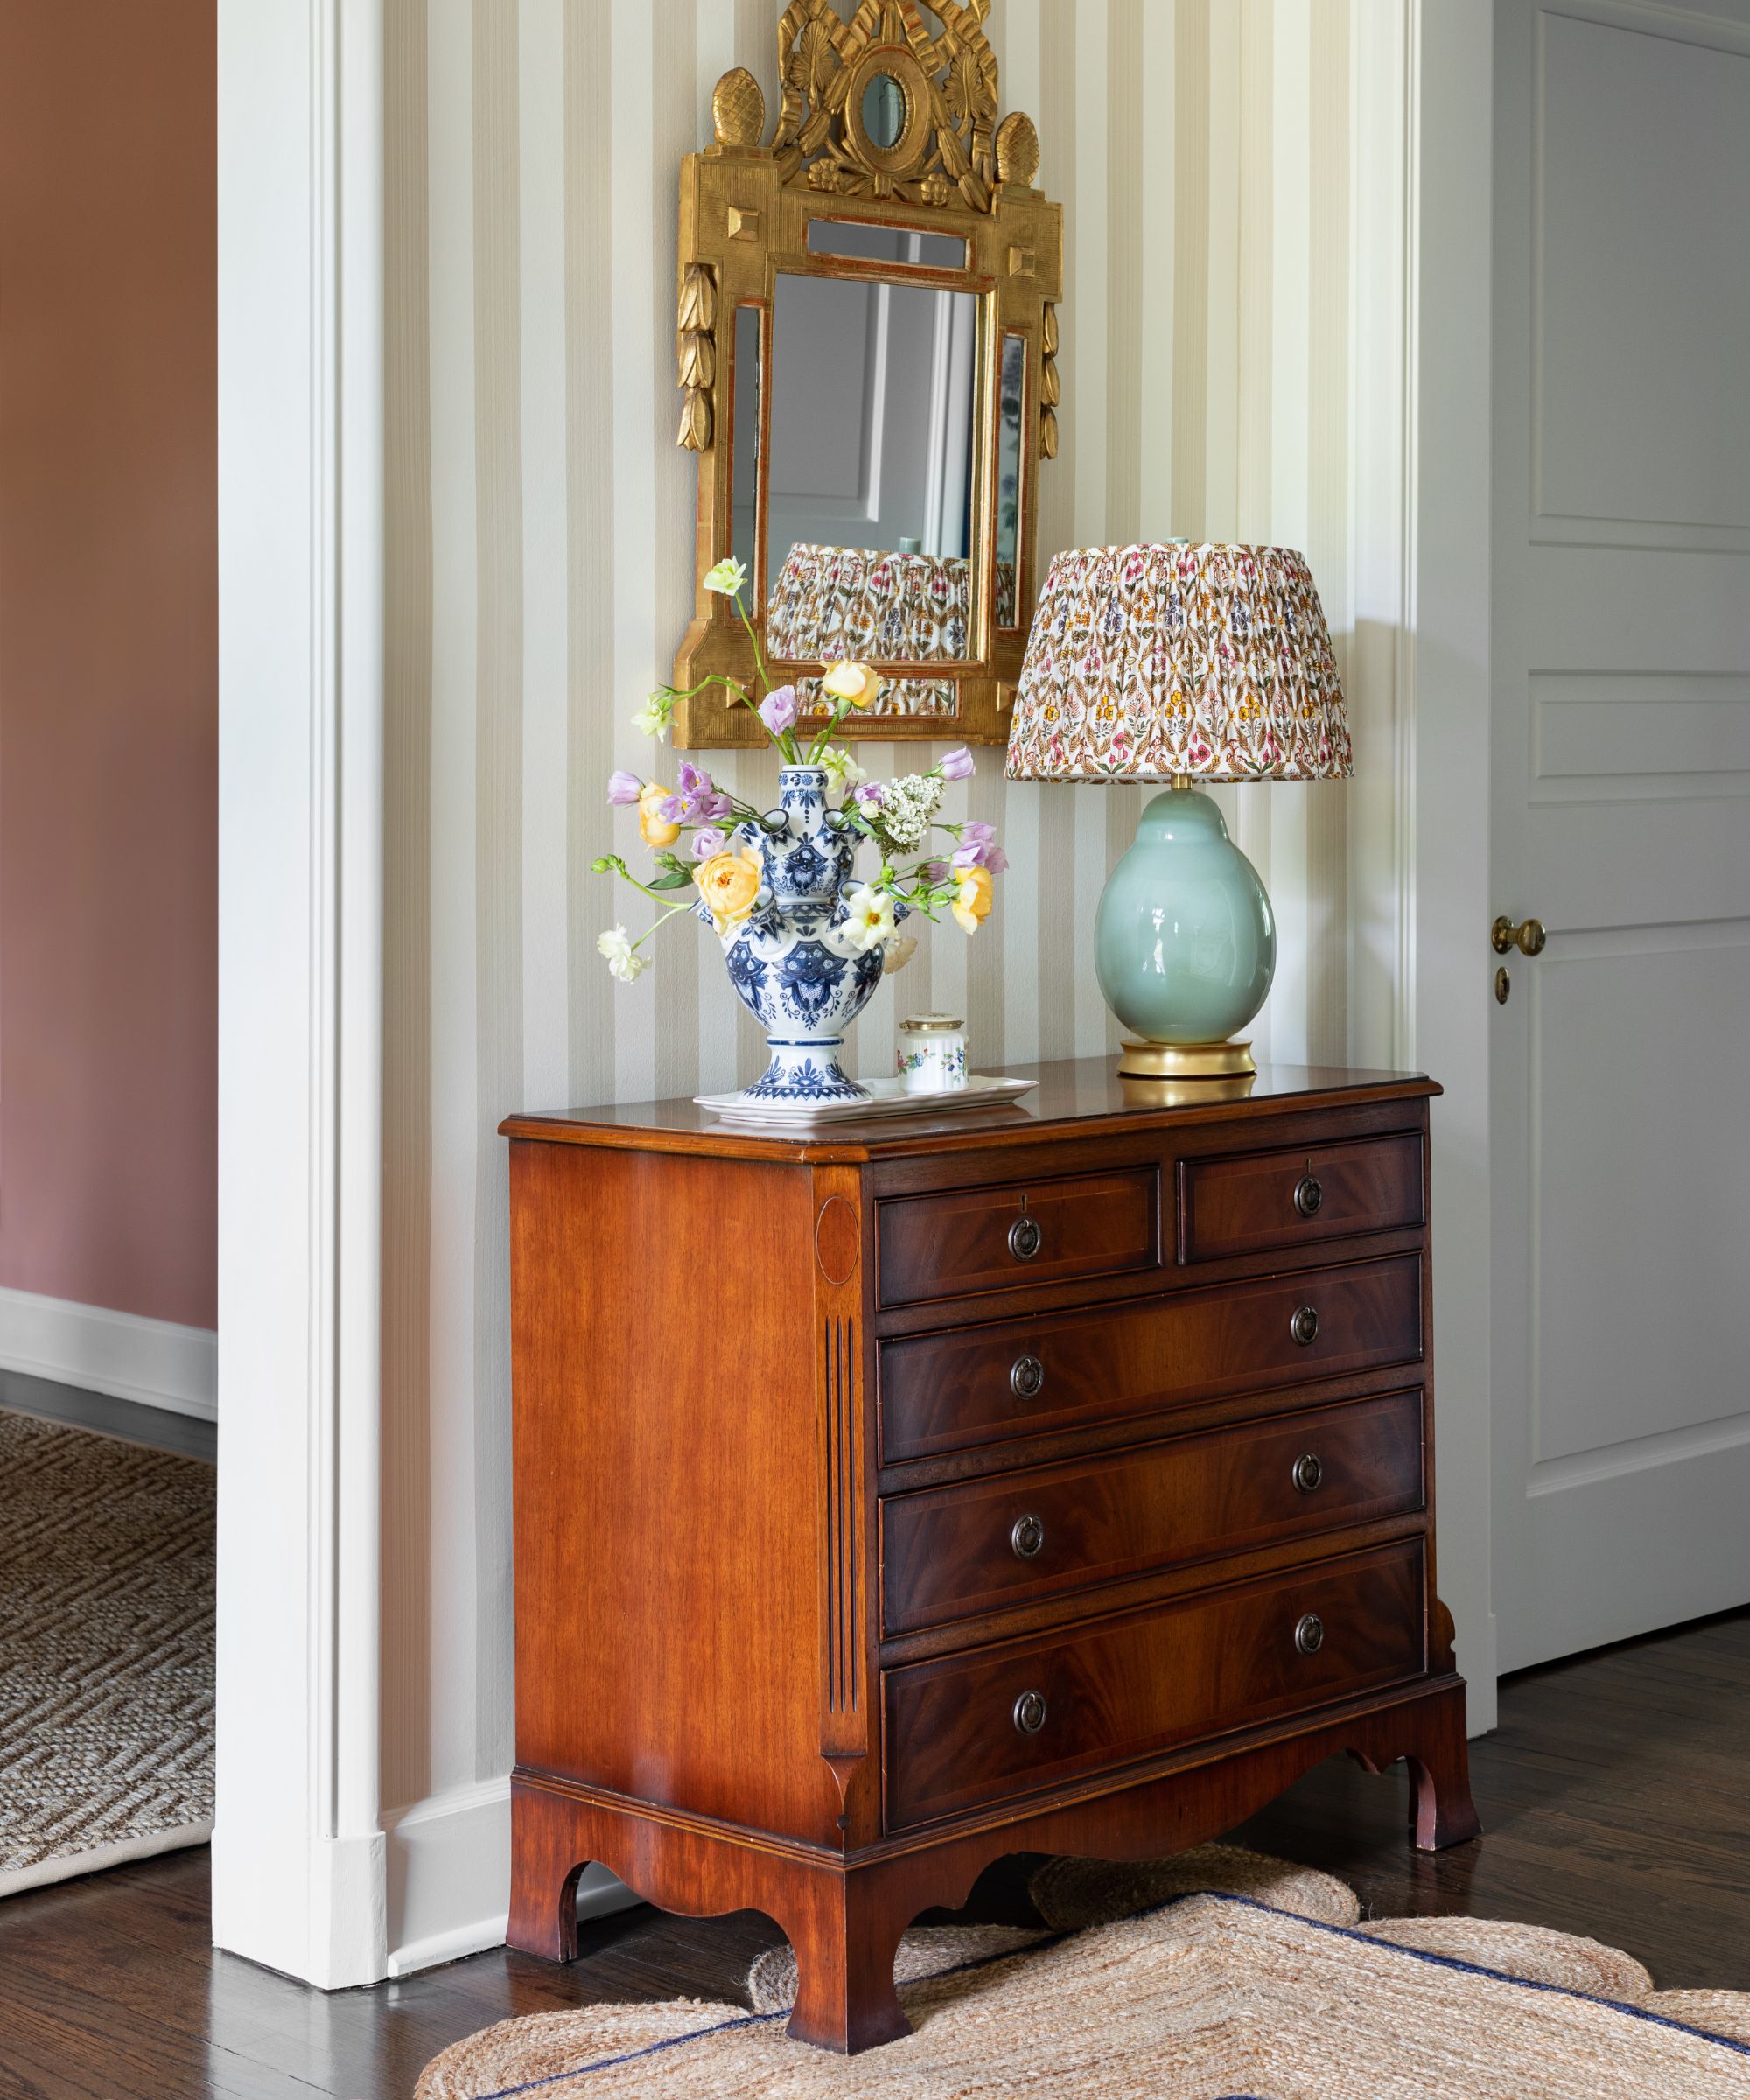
(1026, 1376)
(1309, 1472)
(1027, 1536)
(1030, 1712)
(1024, 1238)
(1307, 1195)
(1305, 1325)
(1309, 1634)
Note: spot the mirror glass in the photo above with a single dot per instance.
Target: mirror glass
(884, 243)
(744, 444)
(1011, 390)
(869, 481)
(884, 111)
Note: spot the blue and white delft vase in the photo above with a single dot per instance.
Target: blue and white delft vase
(781, 959)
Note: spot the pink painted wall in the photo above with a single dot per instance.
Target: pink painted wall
(109, 637)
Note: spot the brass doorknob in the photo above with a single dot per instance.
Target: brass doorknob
(1528, 936)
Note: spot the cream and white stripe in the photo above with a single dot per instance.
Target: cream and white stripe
(539, 577)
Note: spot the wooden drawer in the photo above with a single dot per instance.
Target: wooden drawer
(1290, 1199)
(961, 1730)
(948, 1552)
(980, 1385)
(960, 1242)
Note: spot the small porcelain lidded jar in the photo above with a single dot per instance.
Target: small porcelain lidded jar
(932, 1052)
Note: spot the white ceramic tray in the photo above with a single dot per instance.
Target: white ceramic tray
(887, 1098)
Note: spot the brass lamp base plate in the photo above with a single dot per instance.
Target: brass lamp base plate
(1140, 1059)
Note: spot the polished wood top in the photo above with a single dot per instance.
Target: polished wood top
(1076, 1097)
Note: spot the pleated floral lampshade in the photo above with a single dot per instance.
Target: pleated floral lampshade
(1147, 662)
(1181, 664)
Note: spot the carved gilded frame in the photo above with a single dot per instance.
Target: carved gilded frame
(745, 212)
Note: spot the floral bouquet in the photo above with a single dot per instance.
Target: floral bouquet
(805, 943)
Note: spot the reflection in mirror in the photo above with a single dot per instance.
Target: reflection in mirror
(744, 499)
(1011, 402)
(869, 476)
(884, 111)
(868, 243)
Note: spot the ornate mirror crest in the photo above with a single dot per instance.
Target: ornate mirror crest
(892, 176)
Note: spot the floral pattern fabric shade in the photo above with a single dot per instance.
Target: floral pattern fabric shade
(1147, 662)
(835, 602)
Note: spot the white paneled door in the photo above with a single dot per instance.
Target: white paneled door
(1620, 1059)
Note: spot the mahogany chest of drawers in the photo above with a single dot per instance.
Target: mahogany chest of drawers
(1057, 1478)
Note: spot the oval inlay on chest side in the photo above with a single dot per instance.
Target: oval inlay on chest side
(837, 1234)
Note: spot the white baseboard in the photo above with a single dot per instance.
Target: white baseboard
(449, 1878)
(121, 1354)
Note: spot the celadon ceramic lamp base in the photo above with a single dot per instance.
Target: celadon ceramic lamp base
(1185, 944)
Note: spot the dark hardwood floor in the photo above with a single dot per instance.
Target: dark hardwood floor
(130, 1420)
(1616, 1798)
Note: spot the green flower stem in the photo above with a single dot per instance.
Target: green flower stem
(828, 733)
(786, 742)
(668, 911)
(655, 896)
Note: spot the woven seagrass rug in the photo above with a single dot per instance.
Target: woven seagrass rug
(1227, 1994)
(106, 1652)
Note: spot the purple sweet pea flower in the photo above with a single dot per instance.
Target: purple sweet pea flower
(698, 796)
(707, 843)
(868, 796)
(976, 832)
(932, 870)
(958, 765)
(623, 787)
(779, 711)
(980, 853)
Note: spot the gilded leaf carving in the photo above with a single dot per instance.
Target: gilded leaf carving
(699, 297)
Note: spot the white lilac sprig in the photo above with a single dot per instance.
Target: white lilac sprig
(896, 816)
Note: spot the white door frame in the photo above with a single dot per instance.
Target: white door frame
(1448, 782)
(298, 1850)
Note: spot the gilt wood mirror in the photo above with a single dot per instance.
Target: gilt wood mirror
(867, 345)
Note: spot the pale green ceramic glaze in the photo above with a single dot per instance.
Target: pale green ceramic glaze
(1185, 940)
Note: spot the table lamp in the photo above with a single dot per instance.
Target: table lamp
(1179, 663)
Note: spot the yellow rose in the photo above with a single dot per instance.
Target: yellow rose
(854, 682)
(651, 827)
(973, 899)
(729, 883)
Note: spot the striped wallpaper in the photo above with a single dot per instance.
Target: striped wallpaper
(539, 579)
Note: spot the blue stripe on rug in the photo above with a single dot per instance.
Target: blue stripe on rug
(1056, 1939)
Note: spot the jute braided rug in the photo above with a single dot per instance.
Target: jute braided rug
(106, 1652)
(1224, 1995)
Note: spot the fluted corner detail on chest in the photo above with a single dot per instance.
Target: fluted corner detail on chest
(840, 1504)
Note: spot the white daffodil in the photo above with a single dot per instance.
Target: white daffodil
(727, 579)
(898, 952)
(843, 772)
(621, 962)
(870, 921)
(652, 719)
